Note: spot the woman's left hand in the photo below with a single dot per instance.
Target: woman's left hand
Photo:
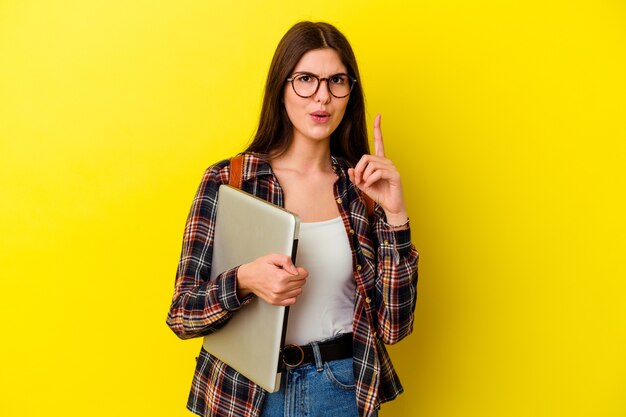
(378, 177)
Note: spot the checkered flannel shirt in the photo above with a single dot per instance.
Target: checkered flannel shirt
(385, 270)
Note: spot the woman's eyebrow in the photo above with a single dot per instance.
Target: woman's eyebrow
(317, 75)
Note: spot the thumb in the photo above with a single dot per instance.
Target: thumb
(288, 266)
(281, 261)
(303, 273)
(351, 176)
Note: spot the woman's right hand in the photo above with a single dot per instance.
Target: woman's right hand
(272, 277)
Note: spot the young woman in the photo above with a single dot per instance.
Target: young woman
(354, 287)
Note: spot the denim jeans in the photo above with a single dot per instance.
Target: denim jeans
(315, 390)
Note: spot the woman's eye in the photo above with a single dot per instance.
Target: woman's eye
(338, 79)
(305, 78)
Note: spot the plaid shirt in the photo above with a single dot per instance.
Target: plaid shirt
(385, 270)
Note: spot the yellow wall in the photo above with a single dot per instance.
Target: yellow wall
(507, 120)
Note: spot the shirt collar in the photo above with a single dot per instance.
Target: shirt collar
(340, 165)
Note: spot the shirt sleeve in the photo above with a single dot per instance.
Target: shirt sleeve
(200, 306)
(396, 282)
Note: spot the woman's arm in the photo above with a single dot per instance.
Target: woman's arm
(396, 279)
(200, 306)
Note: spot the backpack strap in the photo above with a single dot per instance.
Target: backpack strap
(236, 171)
(236, 179)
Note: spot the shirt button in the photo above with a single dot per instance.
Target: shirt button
(386, 242)
(368, 300)
(358, 267)
(339, 200)
(351, 231)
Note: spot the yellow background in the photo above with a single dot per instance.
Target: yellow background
(506, 118)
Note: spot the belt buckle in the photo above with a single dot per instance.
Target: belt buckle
(290, 365)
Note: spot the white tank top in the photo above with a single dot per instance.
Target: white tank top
(326, 306)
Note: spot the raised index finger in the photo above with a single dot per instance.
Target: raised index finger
(379, 148)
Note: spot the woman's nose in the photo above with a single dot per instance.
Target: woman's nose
(323, 92)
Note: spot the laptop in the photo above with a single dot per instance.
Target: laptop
(246, 228)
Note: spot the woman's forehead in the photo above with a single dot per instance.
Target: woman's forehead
(321, 62)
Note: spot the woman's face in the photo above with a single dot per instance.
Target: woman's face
(316, 117)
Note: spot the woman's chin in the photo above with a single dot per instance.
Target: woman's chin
(320, 132)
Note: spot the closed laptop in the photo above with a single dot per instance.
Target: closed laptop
(246, 228)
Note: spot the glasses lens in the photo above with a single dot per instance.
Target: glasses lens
(340, 85)
(305, 84)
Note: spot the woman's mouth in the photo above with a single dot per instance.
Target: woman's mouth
(320, 116)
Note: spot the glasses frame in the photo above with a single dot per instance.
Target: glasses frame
(319, 82)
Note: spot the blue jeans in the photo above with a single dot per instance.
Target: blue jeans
(315, 390)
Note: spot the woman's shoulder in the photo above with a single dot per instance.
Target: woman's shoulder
(217, 172)
(250, 162)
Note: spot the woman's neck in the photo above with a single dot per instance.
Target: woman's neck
(305, 156)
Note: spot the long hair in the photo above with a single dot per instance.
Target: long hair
(275, 130)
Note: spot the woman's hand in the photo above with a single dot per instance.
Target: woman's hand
(273, 278)
(377, 177)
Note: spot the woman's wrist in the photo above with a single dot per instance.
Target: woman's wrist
(242, 290)
(396, 220)
(397, 228)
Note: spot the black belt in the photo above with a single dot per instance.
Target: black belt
(295, 355)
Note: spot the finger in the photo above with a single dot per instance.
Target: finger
(292, 297)
(360, 167)
(287, 281)
(302, 273)
(388, 172)
(277, 292)
(369, 169)
(288, 302)
(377, 175)
(281, 300)
(373, 165)
(284, 262)
(368, 159)
(379, 149)
(289, 287)
(351, 176)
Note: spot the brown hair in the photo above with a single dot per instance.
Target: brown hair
(274, 133)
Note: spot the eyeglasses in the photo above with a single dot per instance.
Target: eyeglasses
(306, 84)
